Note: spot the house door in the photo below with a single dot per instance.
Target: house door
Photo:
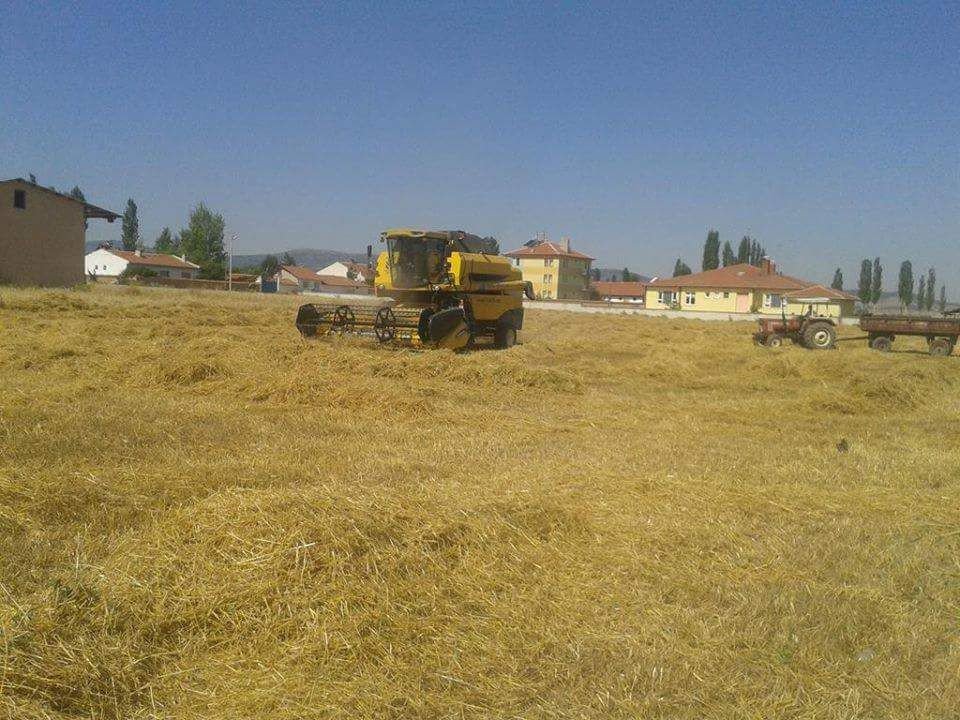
(743, 302)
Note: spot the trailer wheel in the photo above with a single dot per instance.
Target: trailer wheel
(774, 340)
(881, 343)
(820, 336)
(941, 347)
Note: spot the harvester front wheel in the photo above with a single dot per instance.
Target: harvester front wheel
(385, 324)
(820, 336)
(505, 336)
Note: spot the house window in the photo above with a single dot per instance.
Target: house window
(726, 295)
(20, 199)
(772, 301)
(690, 298)
(548, 278)
(665, 297)
(548, 262)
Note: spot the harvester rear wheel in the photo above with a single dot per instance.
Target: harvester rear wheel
(820, 336)
(385, 324)
(343, 319)
(505, 337)
(941, 347)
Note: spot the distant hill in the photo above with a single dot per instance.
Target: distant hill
(616, 275)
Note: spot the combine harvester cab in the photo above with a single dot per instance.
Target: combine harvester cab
(434, 288)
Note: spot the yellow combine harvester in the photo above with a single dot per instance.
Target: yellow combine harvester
(438, 288)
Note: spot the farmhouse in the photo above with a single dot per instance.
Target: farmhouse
(42, 234)
(350, 270)
(556, 271)
(107, 263)
(620, 292)
(745, 288)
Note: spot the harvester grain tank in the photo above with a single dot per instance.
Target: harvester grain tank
(437, 288)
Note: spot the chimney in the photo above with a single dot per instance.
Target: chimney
(565, 244)
(768, 266)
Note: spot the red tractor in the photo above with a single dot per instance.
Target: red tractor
(809, 330)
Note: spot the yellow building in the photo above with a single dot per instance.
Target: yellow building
(556, 271)
(42, 234)
(744, 288)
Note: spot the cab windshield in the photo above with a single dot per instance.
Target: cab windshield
(415, 262)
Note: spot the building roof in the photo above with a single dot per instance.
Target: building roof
(814, 292)
(305, 274)
(148, 259)
(620, 289)
(301, 273)
(89, 211)
(546, 249)
(740, 276)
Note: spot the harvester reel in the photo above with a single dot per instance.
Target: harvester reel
(385, 324)
(343, 319)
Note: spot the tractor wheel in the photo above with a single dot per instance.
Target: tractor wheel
(820, 336)
(774, 340)
(505, 336)
(881, 343)
(941, 347)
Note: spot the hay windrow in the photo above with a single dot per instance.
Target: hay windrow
(203, 515)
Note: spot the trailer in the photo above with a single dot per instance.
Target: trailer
(941, 332)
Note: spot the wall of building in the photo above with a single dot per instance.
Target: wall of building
(42, 244)
(557, 277)
(726, 302)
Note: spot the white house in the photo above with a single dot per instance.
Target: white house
(622, 292)
(110, 263)
(344, 268)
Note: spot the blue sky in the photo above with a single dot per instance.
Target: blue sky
(829, 132)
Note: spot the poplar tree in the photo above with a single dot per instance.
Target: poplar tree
(876, 284)
(943, 298)
(728, 257)
(130, 234)
(837, 283)
(164, 242)
(711, 251)
(681, 268)
(905, 288)
(864, 291)
(743, 252)
(931, 287)
(921, 295)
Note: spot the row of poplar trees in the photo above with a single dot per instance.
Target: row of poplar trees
(920, 294)
(748, 251)
(201, 242)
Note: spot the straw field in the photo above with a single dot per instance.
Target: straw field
(203, 516)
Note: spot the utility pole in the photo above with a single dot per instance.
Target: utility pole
(233, 239)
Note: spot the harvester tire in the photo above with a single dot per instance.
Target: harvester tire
(505, 336)
(881, 343)
(774, 340)
(820, 336)
(941, 347)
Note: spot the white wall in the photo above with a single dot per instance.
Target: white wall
(337, 269)
(103, 263)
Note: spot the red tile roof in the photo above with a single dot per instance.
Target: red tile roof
(819, 291)
(620, 289)
(302, 273)
(741, 276)
(546, 249)
(153, 259)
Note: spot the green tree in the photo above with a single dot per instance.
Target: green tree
(681, 268)
(905, 287)
(287, 259)
(77, 194)
(728, 257)
(596, 274)
(876, 282)
(130, 235)
(711, 251)
(743, 252)
(931, 288)
(202, 242)
(627, 275)
(943, 298)
(269, 266)
(921, 294)
(164, 242)
(33, 179)
(837, 283)
(864, 291)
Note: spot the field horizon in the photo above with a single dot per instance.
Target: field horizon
(204, 515)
